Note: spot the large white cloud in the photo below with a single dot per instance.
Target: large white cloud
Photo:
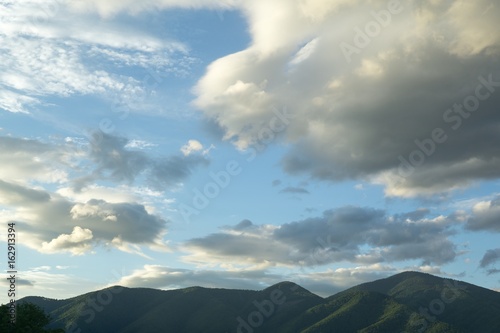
(361, 100)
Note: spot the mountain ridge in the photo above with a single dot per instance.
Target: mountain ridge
(408, 301)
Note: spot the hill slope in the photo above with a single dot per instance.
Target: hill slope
(409, 302)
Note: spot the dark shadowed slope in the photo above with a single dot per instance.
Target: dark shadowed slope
(406, 302)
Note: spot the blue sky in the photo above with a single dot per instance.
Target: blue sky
(237, 144)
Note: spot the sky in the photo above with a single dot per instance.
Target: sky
(240, 143)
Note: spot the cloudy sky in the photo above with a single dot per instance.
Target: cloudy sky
(239, 143)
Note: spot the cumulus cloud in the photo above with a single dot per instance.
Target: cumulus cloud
(485, 216)
(409, 74)
(352, 234)
(191, 146)
(77, 242)
(53, 224)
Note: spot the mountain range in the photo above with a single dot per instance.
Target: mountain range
(406, 302)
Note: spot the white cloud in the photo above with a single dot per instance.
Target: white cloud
(112, 7)
(305, 52)
(162, 277)
(485, 215)
(14, 102)
(50, 223)
(355, 114)
(24, 160)
(45, 283)
(140, 144)
(77, 242)
(324, 283)
(109, 194)
(191, 146)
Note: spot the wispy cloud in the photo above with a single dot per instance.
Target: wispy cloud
(294, 190)
(49, 51)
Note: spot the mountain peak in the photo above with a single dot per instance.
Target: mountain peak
(385, 305)
(285, 285)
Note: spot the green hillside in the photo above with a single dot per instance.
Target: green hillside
(407, 302)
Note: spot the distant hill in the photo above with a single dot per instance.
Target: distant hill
(407, 302)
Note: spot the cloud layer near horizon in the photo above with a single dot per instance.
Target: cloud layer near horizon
(348, 234)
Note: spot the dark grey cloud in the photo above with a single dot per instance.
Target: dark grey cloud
(276, 182)
(413, 216)
(170, 171)
(13, 193)
(490, 257)
(115, 161)
(243, 225)
(19, 282)
(108, 158)
(294, 190)
(24, 282)
(371, 134)
(110, 155)
(355, 234)
(493, 271)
